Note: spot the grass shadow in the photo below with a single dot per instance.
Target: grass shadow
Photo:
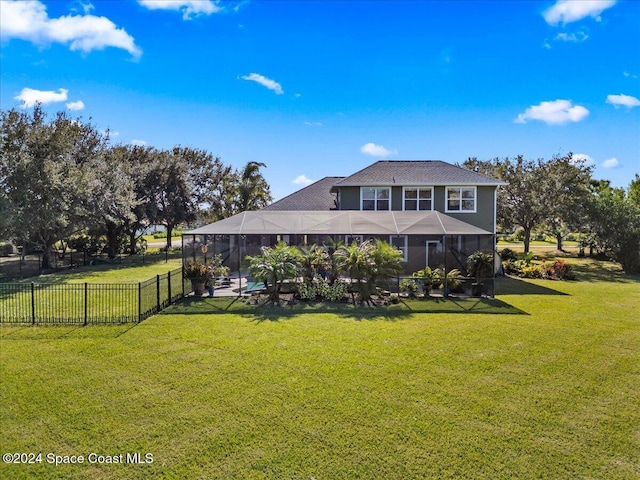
(466, 305)
(61, 332)
(516, 286)
(269, 312)
(602, 271)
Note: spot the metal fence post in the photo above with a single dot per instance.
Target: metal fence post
(139, 302)
(33, 305)
(158, 292)
(169, 286)
(86, 286)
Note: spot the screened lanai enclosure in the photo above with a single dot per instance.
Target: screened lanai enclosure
(425, 238)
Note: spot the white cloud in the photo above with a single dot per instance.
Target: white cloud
(302, 180)
(313, 124)
(630, 75)
(577, 157)
(29, 96)
(376, 150)
(611, 163)
(265, 82)
(138, 143)
(567, 11)
(189, 8)
(556, 112)
(623, 100)
(30, 21)
(79, 105)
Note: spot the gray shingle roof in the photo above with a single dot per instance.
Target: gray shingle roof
(316, 196)
(415, 172)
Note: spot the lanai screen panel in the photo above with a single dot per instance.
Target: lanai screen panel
(346, 222)
(372, 223)
(419, 223)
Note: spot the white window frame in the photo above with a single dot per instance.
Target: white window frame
(375, 199)
(460, 189)
(349, 239)
(405, 248)
(404, 199)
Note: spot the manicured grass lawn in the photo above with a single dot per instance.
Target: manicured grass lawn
(542, 382)
(123, 272)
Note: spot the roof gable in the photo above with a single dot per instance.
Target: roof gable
(316, 196)
(415, 172)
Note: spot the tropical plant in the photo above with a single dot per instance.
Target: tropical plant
(274, 266)
(368, 262)
(315, 261)
(428, 277)
(409, 286)
(195, 269)
(253, 190)
(480, 265)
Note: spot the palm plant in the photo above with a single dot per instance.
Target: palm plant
(274, 266)
(367, 263)
(253, 189)
(315, 261)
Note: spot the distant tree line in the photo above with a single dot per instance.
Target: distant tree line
(62, 178)
(559, 196)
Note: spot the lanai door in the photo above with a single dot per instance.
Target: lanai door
(435, 255)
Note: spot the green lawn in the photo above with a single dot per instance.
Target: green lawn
(541, 382)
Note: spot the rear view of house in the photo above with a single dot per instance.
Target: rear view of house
(436, 213)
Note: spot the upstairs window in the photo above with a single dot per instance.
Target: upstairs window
(418, 198)
(461, 199)
(377, 198)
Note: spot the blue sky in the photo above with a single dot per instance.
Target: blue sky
(323, 88)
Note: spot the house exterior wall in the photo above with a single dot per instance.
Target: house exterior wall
(349, 198)
(483, 217)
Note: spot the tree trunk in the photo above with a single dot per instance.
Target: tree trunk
(527, 239)
(46, 256)
(112, 240)
(169, 234)
(559, 240)
(132, 243)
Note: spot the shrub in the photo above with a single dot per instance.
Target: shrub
(532, 271)
(6, 248)
(508, 254)
(307, 290)
(558, 270)
(335, 292)
(517, 236)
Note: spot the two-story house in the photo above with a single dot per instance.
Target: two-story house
(434, 212)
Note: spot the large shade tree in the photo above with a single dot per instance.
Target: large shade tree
(539, 194)
(44, 175)
(614, 220)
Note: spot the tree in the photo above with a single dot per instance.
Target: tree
(614, 218)
(171, 191)
(274, 266)
(112, 197)
(522, 200)
(44, 175)
(566, 183)
(253, 191)
(538, 193)
(213, 183)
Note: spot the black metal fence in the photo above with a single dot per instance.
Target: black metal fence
(89, 303)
